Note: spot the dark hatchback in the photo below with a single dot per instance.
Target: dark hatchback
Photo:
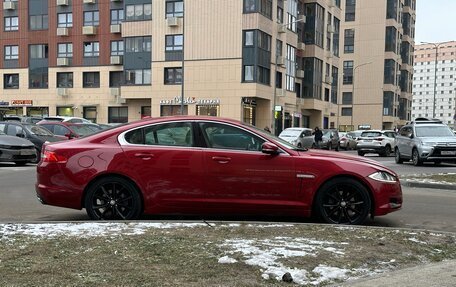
(34, 133)
(17, 150)
(69, 130)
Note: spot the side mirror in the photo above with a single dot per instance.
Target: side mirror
(269, 148)
(69, 136)
(411, 136)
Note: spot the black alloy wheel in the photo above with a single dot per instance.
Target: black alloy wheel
(397, 157)
(113, 198)
(343, 201)
(387, 151)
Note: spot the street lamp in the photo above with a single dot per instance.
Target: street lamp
(353, 89)
(274, 97)
(436, 47)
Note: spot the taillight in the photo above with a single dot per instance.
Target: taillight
(50, 156)
(378, 139)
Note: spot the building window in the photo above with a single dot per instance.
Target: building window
(11, 52)
(174, 42)
(65, 80)
(11, 23)
(390, 39)
(173, 76)
(117, 48)
(292, 15)
(315, 29)
(91, 49)
(11, 81)
(39, 22)
(174, 8)
(346, 112)
(115, 79)
(117, 115)
(389, 75)
(348, 73)
(208, 110)
(91, 18)
(38, 51)
(38, 78)
(248, 73)
(117, 16)
(350, 9)
(137, 77)
(262, 6)
(65, 50)
(347, 98)
(138, 12)
(349, 41)
(138, 44)
(279, 15)
(249, 38)
(291, 68)
(91, 79)
(65, 20)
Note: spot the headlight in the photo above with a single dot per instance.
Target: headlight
(429, 144)
(383, 176)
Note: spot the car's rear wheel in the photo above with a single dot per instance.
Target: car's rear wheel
(397, 157)
(387, 151)
(343, 201)
(113, 198)
(416, 158)
(38, 156)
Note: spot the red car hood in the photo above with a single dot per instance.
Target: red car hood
(337, 155)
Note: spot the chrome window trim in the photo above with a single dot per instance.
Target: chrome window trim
(123, 142)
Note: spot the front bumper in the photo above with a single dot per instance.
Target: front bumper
(387, 197)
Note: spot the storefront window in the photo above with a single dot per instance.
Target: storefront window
(145, 112)
(65, 111)
(90, 113)
(208, 110)
(172, 110)
(38, 111)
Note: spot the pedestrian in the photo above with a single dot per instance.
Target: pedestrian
(266, 128)
(318, 137)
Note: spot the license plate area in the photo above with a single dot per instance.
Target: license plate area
(27, 152)
(448, 152)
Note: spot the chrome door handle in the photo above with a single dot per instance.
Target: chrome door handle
(144, 155)
(221, 159)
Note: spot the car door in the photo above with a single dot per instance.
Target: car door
(165, 161)
(404, 142)
(240, 176)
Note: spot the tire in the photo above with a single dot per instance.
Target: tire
(329, 146)
(416, 160)
(387, 151)
(343, 201)
(113, 198)
(397, 157)
(337, 148)
(299, 145)
(360, 153)
(20, 163)
(38, 156)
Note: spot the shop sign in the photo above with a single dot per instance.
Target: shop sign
(190, 101)
(278, 108)
(3, 103)
(249, 101)
(364, 127)
(22, 103)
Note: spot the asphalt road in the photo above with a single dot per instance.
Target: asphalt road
(423, 208)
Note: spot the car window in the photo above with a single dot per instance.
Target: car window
(82, 130)
(61, 130)
(14, 130)
(370, 134)
(76, 121)
(433, 131)
(170, 134)
(307, 133)
(2, 127)
(228, 137)
(37, 130)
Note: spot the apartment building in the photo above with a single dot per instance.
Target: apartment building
(377, 60)
(434, 82)
(264, 62)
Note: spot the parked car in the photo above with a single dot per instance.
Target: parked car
(300, 137)
(376, 141)
(34, 133)
(330, 139)
(349, 140)
(17, 150)
(209, 165)
(425, 140)
(23, 119)
(74, 120)
(67, 129)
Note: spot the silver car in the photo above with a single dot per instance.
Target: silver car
(425, 140)
(300, 137)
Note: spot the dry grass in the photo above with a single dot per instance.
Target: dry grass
(189, 256)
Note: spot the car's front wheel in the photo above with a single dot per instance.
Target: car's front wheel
(343, 201)
(113, 198)
(397, 157)
(416, 158)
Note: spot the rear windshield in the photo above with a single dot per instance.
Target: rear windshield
(290, 133)
(370, 134)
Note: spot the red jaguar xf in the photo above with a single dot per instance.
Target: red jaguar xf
(210, 165)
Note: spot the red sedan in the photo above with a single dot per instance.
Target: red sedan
(209, 165)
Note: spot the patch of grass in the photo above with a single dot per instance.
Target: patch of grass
(189, 256)
(448, 177)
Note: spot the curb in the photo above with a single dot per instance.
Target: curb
(412, 183)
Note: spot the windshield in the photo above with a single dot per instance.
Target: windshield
(371, 134)
(434, 131)
(37, 130)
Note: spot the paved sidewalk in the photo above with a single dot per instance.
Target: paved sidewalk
(442, 274)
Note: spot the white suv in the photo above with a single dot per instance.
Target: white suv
(376, 141)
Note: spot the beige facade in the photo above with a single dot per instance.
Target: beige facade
(371, 91)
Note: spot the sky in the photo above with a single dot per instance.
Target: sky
(435, 21)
